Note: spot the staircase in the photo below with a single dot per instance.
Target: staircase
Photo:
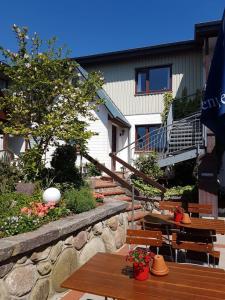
(112, 190)
(185, 140)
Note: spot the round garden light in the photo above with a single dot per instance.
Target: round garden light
(51, 195)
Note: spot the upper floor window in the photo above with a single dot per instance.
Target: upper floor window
(153, 80)
(3, 84)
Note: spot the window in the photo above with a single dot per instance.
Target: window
(153, 80)
(149, 137)
(3, 84)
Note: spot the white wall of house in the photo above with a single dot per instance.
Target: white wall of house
(100, 145)
(120, 80)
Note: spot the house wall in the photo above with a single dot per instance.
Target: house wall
(120, 80)
(140, 120)
(100, 145)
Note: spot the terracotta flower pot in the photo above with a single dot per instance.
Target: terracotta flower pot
(186, 219)
(159, 266)
(178, 216)
(140, 273)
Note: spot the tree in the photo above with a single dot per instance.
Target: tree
(47, 100)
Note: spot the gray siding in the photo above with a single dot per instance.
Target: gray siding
(120, 80)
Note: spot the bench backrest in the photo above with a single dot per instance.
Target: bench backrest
(168, 205)
(200, 208)
(144, 237)
(193, 242)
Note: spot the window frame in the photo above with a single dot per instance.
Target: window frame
(147, 126)
(147, 83)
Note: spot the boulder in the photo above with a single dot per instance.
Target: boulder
(113, 223)
(108, 240)
(4, 269)
(80, 240)
(97, 228)
(21, 280)
(40, 290)
(3, 292)
(37, 256)
(55, 251)
(44, 267)
(65, 265)
(95, 245)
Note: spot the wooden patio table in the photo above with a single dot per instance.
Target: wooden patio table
(110, 275)
(197, 223)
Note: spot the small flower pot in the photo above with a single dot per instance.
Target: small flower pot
(186, 219)
(140, 273)
(178, 216)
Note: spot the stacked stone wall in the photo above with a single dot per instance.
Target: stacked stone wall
(33, 265)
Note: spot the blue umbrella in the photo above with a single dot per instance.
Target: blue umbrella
(213, 105)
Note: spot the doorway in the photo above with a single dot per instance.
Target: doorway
(114, 146)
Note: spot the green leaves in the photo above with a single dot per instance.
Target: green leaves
(46, 100)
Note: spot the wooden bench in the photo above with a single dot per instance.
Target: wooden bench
(200, 208)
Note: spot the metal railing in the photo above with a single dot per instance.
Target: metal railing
(6, 156)
(179, 135)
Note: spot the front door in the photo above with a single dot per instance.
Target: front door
(113, 146)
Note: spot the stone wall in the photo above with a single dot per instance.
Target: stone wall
(33, 265)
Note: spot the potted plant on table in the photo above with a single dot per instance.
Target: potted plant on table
(178, 213)
(141, 259)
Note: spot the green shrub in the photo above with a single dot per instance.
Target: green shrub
(147, 163)
(145, 189)
(79, 201)
(9, 176)
(64, 170)
(92, 170)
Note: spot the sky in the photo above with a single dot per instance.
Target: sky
(98, 26)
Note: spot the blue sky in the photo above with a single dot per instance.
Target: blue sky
(97, 26)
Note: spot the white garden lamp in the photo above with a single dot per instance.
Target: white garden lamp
(51, 195)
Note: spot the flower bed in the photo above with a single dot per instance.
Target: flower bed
(21, 213)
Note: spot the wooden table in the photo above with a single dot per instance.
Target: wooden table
(110, 275)
(198, 223)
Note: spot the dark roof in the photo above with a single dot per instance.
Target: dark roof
(201, 30)
(132, 53)
(113, 110)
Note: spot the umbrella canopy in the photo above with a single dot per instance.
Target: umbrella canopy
(213, 106)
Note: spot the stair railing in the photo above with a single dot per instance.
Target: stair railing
(6, 155)
(158, 140)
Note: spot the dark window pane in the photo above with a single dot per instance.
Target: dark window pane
(159, 79)
(141, 139)
(157, 138)
(2, 84)
(141, 82)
